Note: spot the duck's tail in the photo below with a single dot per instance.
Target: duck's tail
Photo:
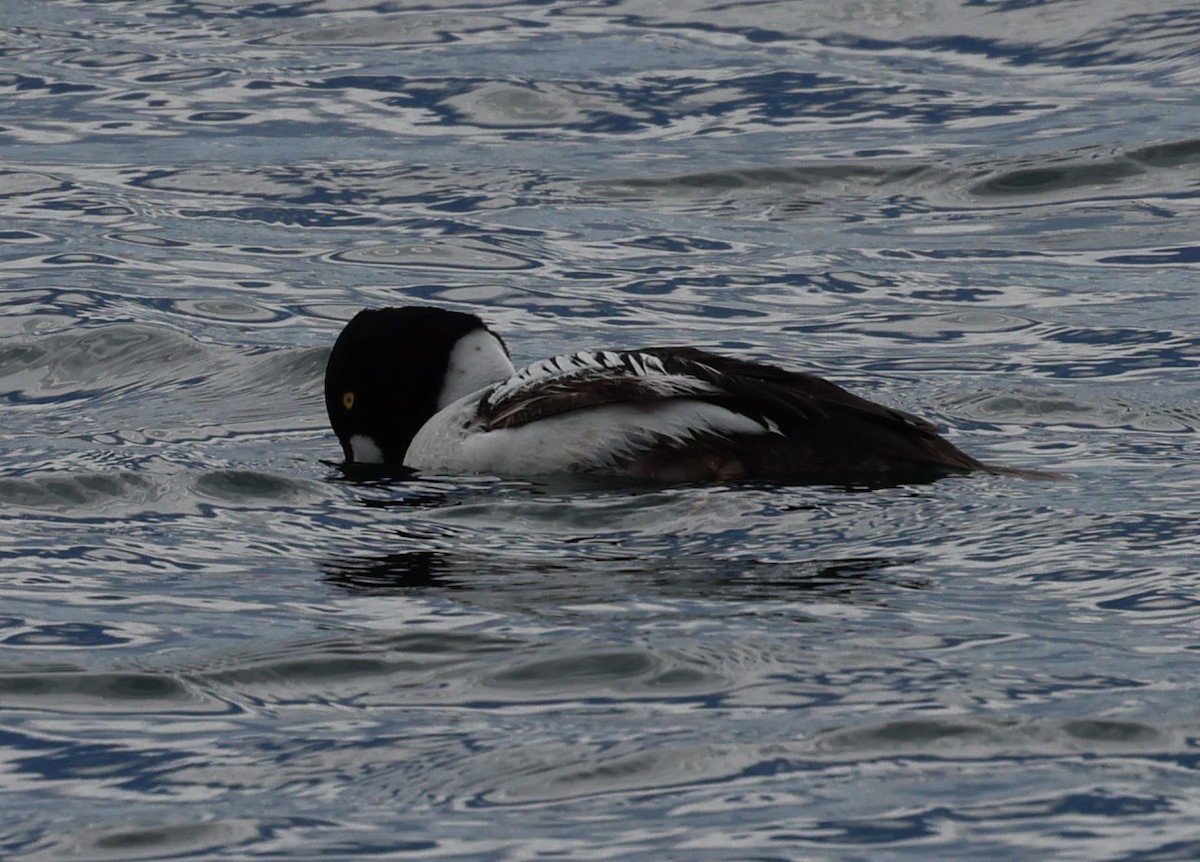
(1024, 473)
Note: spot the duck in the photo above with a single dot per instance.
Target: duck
(434, 391)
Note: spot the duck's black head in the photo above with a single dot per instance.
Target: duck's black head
(393, 368)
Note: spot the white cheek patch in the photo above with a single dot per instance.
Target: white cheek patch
(364, 451)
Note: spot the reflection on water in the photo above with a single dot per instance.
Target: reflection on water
(217, 644)
(574, 581)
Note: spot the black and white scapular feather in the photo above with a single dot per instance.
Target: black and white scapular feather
(434, 391)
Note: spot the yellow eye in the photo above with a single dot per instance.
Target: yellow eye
(348, 400)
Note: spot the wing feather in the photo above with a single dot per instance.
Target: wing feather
(750, 419)
(581, 380)
(591, 379)
(804, 397)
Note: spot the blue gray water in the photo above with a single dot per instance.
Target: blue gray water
(213, 646)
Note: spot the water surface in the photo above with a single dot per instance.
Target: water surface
(214, 646)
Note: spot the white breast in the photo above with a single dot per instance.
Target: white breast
(578, 441)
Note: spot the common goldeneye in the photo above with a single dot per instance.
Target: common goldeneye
(434, 390)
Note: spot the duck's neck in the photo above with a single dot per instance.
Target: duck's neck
(476, 360)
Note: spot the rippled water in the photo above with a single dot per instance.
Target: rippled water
(214, 646)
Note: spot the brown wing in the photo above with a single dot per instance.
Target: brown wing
(829, 430)
(810, 428)
(807, 395)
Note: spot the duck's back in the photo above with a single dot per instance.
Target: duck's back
(824, 432)
(678, 414)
